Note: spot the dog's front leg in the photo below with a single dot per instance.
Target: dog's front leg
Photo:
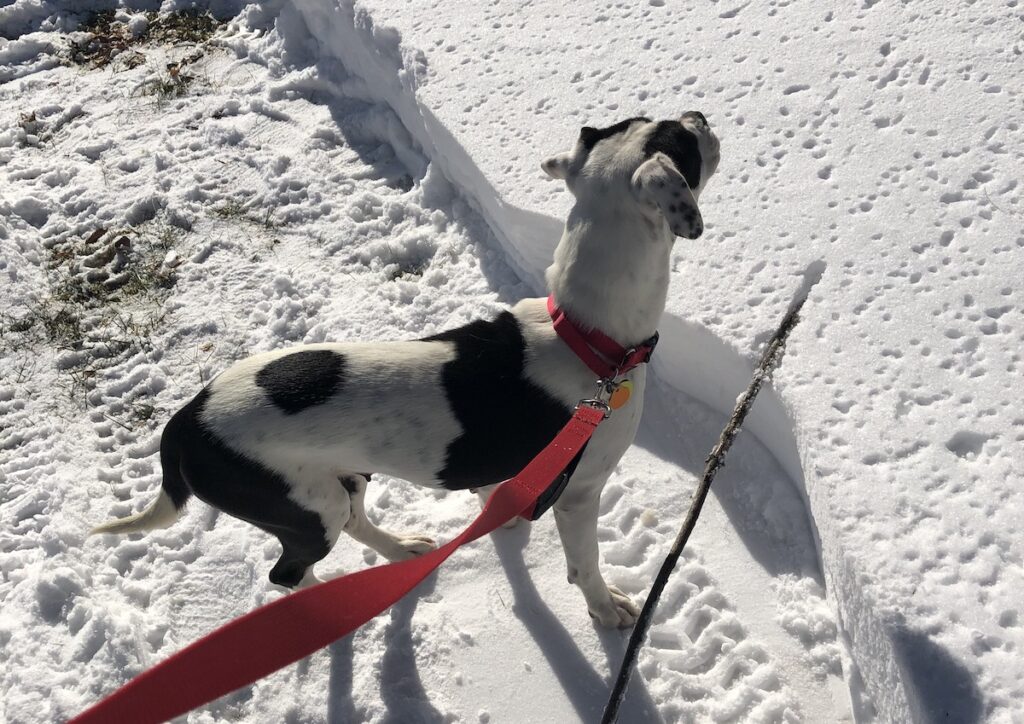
(576, 518)
(484, 493)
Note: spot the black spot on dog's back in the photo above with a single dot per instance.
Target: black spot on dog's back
(680, 145)
(505, 418)
(303, 379)
(591, 136)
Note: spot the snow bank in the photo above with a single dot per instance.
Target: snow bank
(885, 140)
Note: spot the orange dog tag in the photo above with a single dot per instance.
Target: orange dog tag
(621, 395)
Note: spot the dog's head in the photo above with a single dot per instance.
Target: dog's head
(662, 166)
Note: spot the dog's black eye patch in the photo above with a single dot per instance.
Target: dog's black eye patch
(680, 145)
(301, 380)
(590, 136)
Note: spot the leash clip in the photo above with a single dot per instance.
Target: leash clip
(602, 397)
(596, 404)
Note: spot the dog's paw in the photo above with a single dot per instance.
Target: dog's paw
(410, 546)
(310, 579)
(618, 611)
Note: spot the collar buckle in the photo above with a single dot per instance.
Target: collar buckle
(650, 344)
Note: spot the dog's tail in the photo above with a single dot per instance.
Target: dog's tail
(174, 491)
(160, 514)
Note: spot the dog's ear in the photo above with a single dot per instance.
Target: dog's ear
(557, 166)
(659, 183)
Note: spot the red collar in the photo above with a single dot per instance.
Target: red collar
(602, 354)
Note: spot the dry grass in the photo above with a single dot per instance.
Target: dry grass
(104, 303)
(110, 41)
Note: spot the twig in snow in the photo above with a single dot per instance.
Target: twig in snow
(115, 421)
(769, 359)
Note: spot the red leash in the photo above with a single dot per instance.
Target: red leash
(303, 622)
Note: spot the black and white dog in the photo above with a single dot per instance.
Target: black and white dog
(287, 440)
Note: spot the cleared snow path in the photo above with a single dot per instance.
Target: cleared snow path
(882, 137)
(275, 203)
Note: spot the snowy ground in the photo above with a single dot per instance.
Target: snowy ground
(352, 180)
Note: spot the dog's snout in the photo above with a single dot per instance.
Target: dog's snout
(697, 116)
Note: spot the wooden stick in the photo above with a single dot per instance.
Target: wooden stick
(769, 359)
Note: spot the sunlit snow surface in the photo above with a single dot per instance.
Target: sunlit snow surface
(341, 173)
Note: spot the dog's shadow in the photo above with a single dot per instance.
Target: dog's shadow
(402, 690)
(585, 688)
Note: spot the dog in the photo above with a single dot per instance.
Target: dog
(287, 440)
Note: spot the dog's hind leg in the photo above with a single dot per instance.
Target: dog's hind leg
(305, 508)
(303, 542)
(358, 526)
(294, 569)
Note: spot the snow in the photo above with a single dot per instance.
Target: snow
(341, 171)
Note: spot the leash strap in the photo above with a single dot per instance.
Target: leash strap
(280, 633)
